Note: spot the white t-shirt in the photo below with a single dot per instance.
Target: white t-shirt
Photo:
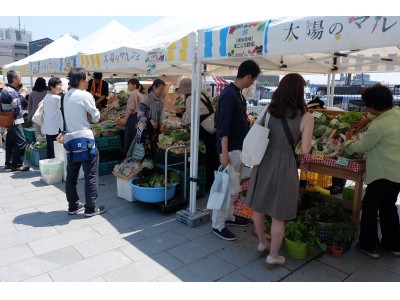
(52, 120)
(77, 104)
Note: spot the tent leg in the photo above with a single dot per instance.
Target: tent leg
(328, 90)
(332, 88)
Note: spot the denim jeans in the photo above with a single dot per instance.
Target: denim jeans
(91, 170)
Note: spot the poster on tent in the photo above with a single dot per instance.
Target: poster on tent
(69, 63)
(247, 39)
(50, 66)
(34, 67)
(119, 58)
(327, 34)
(153, 57)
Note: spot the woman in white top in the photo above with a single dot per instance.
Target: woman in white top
(52, 119)
(132, 107)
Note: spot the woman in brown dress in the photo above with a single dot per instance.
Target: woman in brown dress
(274, 184)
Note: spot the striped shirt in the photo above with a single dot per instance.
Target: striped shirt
(10, 99)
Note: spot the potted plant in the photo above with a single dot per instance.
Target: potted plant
(300, 236)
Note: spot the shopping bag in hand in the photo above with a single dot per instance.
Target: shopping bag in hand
(219, 193)
(234, 181)
(138, 152)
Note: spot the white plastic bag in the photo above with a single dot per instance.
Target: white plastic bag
(234, 181)
(219, 193)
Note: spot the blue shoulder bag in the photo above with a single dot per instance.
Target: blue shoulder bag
(80, 145)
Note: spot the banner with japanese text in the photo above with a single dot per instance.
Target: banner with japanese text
(330, 34)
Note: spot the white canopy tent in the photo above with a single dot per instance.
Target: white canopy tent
(51, 50)
(323, 45)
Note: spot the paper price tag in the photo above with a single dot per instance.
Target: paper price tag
(317, 114)
(343, 161)
(318, 155)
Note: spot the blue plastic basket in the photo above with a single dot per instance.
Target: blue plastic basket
(151, 195)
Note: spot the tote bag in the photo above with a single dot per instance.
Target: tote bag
(38, 116)
(256, 141)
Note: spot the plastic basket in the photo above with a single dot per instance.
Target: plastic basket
(108, 142)
(30, 135)
(151, 195)
(296, 250)
(106, 167)
(36, 155)
(316, 178)
(328, 232)
(52, 170)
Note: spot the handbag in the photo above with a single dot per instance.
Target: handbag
(219, 198)
(7, 119)
(39, 114)
(256, 141)
(208, 121)
(290, 139)
(80, 145)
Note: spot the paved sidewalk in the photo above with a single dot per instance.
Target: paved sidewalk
(39, 242)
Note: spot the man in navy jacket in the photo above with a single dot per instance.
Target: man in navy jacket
(232, 128)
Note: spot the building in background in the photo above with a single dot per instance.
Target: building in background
(19, 40)
(37, 45)
(6, 52)
(75, 37)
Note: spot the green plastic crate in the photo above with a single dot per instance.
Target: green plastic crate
(108, 142)
(106, 167)
(36, 155)
(30, 135)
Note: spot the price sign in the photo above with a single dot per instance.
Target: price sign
(318, 155)
(342, 161)
(317, 114)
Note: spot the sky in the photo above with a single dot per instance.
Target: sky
(56, 21)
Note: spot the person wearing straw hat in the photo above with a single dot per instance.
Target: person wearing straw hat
(209, 139)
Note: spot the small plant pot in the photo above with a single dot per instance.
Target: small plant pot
(296, 250)
(336, 250)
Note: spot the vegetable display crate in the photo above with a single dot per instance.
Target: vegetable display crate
(316, 179)
(30, 135)
(201, 186)
(108, 142)
(174, 158)
(52, 170)
(36, 155)
(124, 190)
(106, 167)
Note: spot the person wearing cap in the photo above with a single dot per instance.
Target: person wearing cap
(99, 89)
(209, 139)
(316, 103)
